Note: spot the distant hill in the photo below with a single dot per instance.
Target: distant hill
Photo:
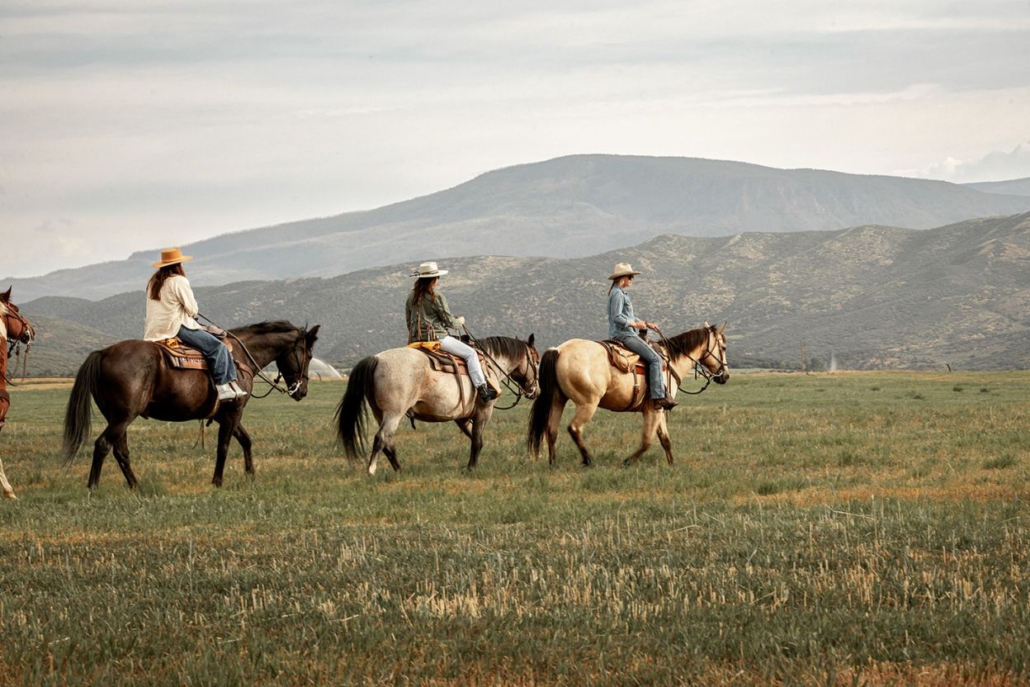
(1014, 187)
(564, 208)
(866, 297)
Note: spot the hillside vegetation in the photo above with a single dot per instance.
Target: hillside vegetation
(569, 207)
(866, 297)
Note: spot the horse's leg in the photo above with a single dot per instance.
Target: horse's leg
(479, 420)
(110, 437)
(553, 423)
(651, 420)
(465, 425)
(384, 442)
(226, 430)
(120, 444)
(663, 436)
(579, 420)
(243, 439)
(8, 491)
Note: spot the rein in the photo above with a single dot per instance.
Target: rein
(258, 372)
(518, 391)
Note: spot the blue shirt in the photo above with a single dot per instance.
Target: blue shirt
(620, 314)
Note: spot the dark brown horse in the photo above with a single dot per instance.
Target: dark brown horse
(132, 379)
(17, 330)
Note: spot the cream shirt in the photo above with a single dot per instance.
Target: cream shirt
(176, 308)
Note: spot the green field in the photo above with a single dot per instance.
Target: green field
(835, 529)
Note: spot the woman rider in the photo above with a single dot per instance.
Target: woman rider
(428, 319)
(623, 326)
(171, 308)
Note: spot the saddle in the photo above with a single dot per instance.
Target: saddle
(625, 360)
(441, 361)
(183, 357)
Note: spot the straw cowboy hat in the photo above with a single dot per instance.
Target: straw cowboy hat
(427, 270)
(622, 270)
(170, 256)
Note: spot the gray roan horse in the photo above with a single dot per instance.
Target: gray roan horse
(400, 382)
(131, 378)
(580, 371)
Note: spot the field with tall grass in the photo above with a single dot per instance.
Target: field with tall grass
(834, 529)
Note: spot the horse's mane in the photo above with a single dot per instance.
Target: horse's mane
(3, 308)
(272, 327)
(683, 344)
(502, 346)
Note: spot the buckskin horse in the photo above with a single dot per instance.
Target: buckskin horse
(582, 371)
(133, 379)
(14, 329)
(401, 381)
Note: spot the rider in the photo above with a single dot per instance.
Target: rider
(428, 319)
(623, 326)
(171, 308)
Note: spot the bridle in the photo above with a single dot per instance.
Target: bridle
(700, 370)
(27, 336)
(272, 383)
(527, 388)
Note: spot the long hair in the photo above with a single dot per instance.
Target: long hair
(160, 277)
(424, 286)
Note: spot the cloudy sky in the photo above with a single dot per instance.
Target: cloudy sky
(129, 125)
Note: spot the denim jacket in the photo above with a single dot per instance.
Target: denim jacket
(620, 314)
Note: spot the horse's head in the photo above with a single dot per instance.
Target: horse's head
(526, 369)
(293, 362)
(714, 357)
(18, 328)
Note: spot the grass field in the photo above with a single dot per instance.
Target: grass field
(834, 529)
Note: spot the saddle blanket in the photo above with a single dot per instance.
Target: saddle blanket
(184, 357)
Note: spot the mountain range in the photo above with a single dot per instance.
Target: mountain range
(865, 297)
(570, 207)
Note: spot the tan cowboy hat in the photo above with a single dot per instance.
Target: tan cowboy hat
(427, 270)
(170, 256)
(622, 270)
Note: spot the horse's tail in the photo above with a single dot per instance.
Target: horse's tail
(78, 414)
(547, 378)
(351, 413)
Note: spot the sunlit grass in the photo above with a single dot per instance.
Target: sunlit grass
(835, 529)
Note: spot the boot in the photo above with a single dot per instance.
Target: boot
(666, 403)
(486, 392)
(225, 392)
(240, 393)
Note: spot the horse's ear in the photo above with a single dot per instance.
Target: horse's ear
(6, 295)
(531, 339)
(722, 327)
(313, 335)
(707, 326)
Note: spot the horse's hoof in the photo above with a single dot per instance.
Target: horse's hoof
(9, 495)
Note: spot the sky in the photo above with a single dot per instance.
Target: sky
(129, 125)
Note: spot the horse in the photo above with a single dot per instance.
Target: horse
(16, 329)
(133, 379)
(581, 371)
(401, 381)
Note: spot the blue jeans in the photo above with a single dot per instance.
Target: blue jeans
(223, 369)
(655, 378)
(468, 354)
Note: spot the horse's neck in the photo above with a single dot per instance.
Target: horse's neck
(684, 363)
(264, 348)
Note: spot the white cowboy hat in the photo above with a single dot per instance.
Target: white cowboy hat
(170, 256)
(427, 270)
(622, 270)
